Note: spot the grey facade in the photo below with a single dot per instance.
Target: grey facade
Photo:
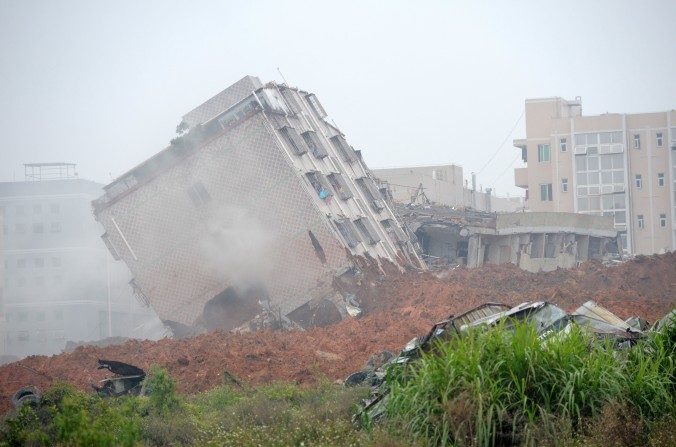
(262, 203)
(56, 273)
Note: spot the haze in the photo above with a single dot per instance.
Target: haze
(104, 84)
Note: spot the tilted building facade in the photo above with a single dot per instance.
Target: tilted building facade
(261, 203)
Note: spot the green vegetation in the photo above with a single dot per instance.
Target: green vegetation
(489, 388)
(502, 387)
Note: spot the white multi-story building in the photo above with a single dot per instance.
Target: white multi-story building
(262, 202)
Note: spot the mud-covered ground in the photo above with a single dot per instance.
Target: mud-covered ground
(398, 307)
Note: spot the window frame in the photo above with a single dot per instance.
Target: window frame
(663, 220)
(637, 141)
(563, 144)
(659, 137)
(549, 192)
(640, 221)
(541, 153)
(660, 180)
(638, 181)
(564, 184)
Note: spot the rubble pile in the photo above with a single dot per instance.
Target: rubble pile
(396, 308)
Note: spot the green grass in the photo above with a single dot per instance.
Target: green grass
(489, 388)
(498, 387)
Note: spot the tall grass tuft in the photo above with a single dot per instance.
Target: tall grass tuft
(500, 387)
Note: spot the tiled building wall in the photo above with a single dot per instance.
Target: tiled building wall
(258, 211)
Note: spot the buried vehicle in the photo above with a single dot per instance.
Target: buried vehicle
(128, 379)
(547, 319)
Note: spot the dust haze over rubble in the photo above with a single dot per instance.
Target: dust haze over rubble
(239, 247)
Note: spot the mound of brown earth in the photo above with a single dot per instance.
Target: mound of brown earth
(397, 308)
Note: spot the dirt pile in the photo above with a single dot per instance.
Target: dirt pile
(397, 308)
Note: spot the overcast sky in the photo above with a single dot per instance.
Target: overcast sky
(104, 84)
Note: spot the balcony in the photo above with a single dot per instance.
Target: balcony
(521, 177)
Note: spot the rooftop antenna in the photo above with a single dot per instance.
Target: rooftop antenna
(283, 78)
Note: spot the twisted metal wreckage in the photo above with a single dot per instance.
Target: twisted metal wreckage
(547, 318)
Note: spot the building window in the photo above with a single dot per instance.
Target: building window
(543, 153)
(21, 263)
(563, 144)
(660, 179)
(58, 314)
(372, 193)
(294, 140)
(20, 228)
(349, 232)
(314, 143)
(320, 184)
(564, 184)
(660, 139)
(637, 141)
(345, 150)
(23, 315)
(40, 281)
(663, 220)
(198, 194)
(546, 192)
(638, 181)
(641, 222)
(340, 185)
(56, 262)
(19, 210)
(40, 316)
(38, 228)
(367, 231)
(315, 105)
(59, 334)
(55, 208)
(37, 209)
(55, 227)
(22, 336)
(39, 262)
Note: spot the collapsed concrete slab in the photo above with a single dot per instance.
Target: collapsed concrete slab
(542, 241)
(258, 205)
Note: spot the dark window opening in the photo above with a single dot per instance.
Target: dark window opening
(340, 185)
(372, 193)
(347, 229)
(320, 184)
(314, 143)
(345, 150)
(367, 231)
(232, 308)
(294, 140)
(319, 251)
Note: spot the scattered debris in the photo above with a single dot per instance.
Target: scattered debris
(128, 379)
(547, 318)
(28, 395)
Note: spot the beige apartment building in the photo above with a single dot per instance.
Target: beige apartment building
(615, 164)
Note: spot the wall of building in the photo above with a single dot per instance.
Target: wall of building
(240, 211)
(551, 120)
(56, 270)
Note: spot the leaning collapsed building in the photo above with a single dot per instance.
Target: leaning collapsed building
(260, 204)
